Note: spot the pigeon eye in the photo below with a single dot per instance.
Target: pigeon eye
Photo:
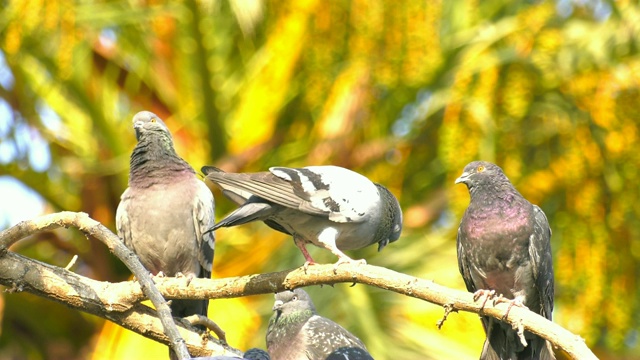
(480, 168)
(294, 298)
(153, 120)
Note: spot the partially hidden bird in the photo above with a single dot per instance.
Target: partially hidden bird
(164, 214)
(504, 252)
(327, 206)
(296, 332)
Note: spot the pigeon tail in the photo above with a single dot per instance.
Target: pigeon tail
(250, 211)
(503, 344)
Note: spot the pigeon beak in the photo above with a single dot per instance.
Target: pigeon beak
(463, 178)
(382, 244)
(137, 126)
(277, 305)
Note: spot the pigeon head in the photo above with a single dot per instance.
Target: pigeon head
(393, 216)
(154, 159)
(482, 174)
(146, 122)
(293, 301)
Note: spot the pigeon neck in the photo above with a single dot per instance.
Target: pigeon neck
(284, 328)
(503, 190)
(155, 159)
(387, 221)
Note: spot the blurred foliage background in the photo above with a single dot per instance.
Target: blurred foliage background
(405, 92)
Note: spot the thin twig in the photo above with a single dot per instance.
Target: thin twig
(72, 262)
(448, 309)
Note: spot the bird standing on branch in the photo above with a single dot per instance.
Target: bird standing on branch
(504, 252)
(165, 212)
(296, 332)
(327, 206)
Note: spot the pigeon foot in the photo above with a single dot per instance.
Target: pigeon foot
(207, 323)
(347, 260)
(306, 265)
(487, 294)
(512, 302)
(300, 243)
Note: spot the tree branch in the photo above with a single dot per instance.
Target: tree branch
(109, 301)
(93, 228)
(119, 302)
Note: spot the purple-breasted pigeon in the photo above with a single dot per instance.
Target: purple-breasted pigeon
(504, 248)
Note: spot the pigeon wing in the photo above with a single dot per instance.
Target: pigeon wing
(463, 264)
(340, 194)
(323, 336)
(203, 216)
(541, 259)
(262, 184)
(122, 220)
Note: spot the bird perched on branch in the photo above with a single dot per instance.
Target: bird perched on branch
(296, 331)
(327, 206)
(165, 212)
(504, 252)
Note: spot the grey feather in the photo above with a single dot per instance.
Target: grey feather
(165, 212)
(296, 331)
(328, 206)
(504, 245)
(349, 353)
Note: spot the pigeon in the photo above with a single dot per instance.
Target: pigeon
(164, 214)
(296, 331)
(504, 249)
(327, 206)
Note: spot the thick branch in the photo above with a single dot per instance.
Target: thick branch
(93, 228)
(109, 301)
(106, 299)
(382, 278)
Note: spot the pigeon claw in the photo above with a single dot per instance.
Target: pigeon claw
(347, 260)
(512, 302)
(190, 278)
(306, 265)
(487, 294)
(195, 320)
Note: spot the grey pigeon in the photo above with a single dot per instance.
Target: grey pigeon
(327, 206)
(296, 331)
(165, 212)
(504, 247)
